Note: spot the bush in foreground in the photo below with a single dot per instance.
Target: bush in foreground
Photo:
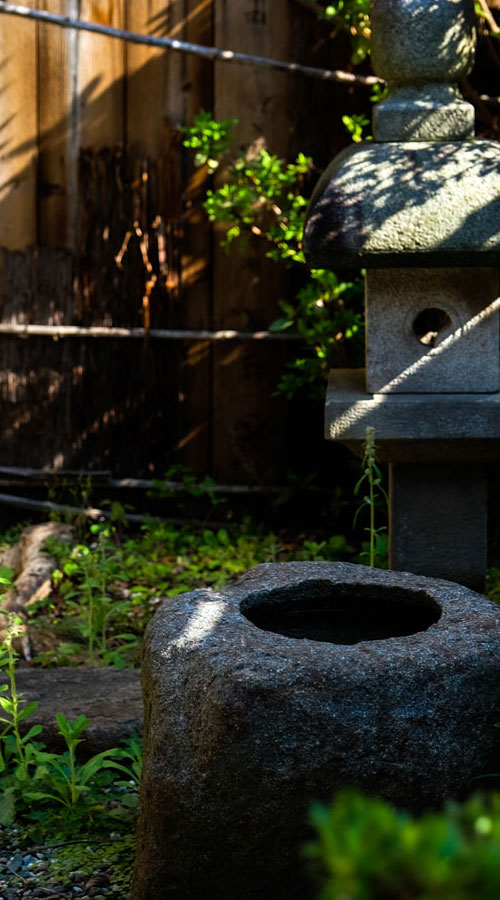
(367, 850)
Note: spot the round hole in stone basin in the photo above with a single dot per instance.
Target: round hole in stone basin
(429, 323)
(320, 610)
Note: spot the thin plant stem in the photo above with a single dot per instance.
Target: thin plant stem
(15, 699)
(103, 597)
(372, 517)
(371, 477)
(90, 620)
(74, 793)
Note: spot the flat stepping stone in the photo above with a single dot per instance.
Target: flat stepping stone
(110, 698)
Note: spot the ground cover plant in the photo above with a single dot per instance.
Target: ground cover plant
(105, 590)
(58, 797)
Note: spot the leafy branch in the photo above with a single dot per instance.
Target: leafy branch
(264, 198)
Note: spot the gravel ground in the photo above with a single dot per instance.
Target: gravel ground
(99, 870)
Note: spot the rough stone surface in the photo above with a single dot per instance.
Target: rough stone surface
(422, 40)
(110, 698)
(244, 727)
(403, 356)
(434, 112)
(412, 427)
(407, 204)
(438, 517)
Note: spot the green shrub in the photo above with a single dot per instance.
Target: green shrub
(367, 850)
(264, 198)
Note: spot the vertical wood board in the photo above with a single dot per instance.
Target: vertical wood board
(247, 438)
(58, 129)
(101, 73)
(18, 131)
(164, 91)
(195, 442)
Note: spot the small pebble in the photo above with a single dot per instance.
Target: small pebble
(16, 862)
(76, 875)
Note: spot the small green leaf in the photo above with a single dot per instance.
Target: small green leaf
(33, 732)
(7, 808)
(27, 710)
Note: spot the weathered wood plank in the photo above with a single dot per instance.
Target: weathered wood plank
(154, 109)
(101, 73)
(154, 92)
(195, 443)
(18, 127)
(58, 130)
(247, 433)
(101, 295)
(165, 91)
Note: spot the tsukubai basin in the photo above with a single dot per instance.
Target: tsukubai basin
(300, 680)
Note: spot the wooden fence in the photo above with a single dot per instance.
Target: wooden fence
(92, 167)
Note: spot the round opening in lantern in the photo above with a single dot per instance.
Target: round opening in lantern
(341, 613)
(430, 324)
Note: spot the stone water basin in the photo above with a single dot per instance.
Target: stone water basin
(301, 679)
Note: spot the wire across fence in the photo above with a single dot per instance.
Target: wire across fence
(212, 53)
(166, 334)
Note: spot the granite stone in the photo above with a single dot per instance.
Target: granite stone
(422, 40)
(407, 204)
(412, 427)
(438, 521)
(299, 680)
(432, 330)
(110, 698)
(431, 112)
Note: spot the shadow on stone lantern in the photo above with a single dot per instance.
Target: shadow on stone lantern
(307, 677)
(419, 208)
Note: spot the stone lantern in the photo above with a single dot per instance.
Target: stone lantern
(419, 208)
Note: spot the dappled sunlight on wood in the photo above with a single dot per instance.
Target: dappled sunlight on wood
(162, 24)
(197, 353)
(100, 11)
(188, 438)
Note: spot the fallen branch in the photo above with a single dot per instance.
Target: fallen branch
(102, 478)
(101, 514)
(49, 506)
